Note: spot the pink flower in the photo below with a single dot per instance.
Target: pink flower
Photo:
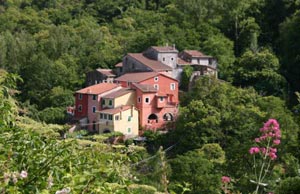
(257, 140)
(254, 150)
(276, 141)
(273, 150)
(272, 155)
(225, 179)
(263, 150)
(23, 174)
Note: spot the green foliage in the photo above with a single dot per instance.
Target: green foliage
(53, 115)
(290, 185)
(186, 75)
(260, 70)
(196, 168)
(8, 106)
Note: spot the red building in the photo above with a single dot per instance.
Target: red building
(156, 97)
(88, 101)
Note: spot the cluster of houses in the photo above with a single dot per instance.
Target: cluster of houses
(141, 93)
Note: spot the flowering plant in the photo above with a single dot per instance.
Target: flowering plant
(266, 150)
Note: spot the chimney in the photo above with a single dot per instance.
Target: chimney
(174, 47)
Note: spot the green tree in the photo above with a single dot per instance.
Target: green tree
(198, 168)
(260, 70)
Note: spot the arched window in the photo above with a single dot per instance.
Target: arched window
(168, 117)
(152, 118)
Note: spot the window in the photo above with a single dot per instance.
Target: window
(147, 100)
(161, 99)
(110, 102)
(128, 130)
(139, 99)
(94, 97)
(117, 117)
(172, 59)
(101, 115)
(94, 109)
(129, 118)
(128, 84)
(110, 117)
(105, 116)
(172, 86)
(156, 79)
(80, 108)
(80, 97)
(164, 59)
(156, 86)
(103, 102)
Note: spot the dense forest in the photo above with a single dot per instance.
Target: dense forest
(47, 46)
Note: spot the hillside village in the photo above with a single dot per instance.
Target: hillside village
(140, 93)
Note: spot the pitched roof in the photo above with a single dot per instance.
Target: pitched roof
(115, 110)
(152, 64)
(136, 77)
(165, 49)
(195, 53)
(182, 62)
(118, 93)
(98, 88)
(107, 72)
(145, 88)
(119, 64)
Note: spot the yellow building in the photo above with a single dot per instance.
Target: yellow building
(122, 119)
(118, 98)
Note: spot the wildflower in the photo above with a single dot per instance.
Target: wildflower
(6, 177)
(276, 141)
(225, 179)
(257, 140)
(14, 177)
(254, 150)
(50, 182)
(272, 155)
(63, 191)
(23, 174)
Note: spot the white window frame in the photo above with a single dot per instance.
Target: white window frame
(148, 100)
(161, 99)
(172, 86)
(156, 86)
(156, 79)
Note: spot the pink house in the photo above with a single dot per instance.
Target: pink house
(88, 102)
(156, 97)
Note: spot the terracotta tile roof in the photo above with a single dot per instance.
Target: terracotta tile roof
(107, 72)
(118, 93)
(145, 88)
(165, 49)
(152, 64)
(119, 64)
(182, 62)
(98, 88)
(160, 94)
(113, 111)
(195, 53)
(136, 77)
